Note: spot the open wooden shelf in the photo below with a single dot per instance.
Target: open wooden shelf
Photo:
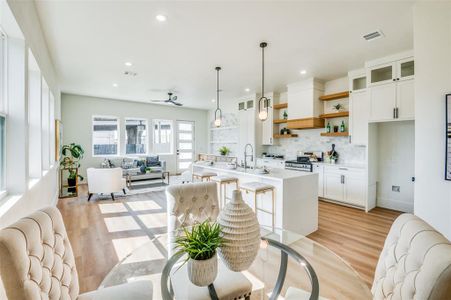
(285, 136)
(335, 133)
(280, 106)
(334, 96)
(335, 115)
(280, 121)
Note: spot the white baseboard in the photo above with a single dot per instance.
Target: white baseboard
(396, 205)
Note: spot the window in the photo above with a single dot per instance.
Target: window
(105, 136)
(45, 117)
(2, 153)
(34, 118)
(162, 136)
(135, 136)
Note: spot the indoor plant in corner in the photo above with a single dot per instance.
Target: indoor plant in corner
(200, 244)
(72, 154)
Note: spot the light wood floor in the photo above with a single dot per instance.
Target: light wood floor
(356, 236)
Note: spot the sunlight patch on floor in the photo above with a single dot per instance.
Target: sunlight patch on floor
(125, 246)
(145, 253)
(143, 205)
(116, 224)
(111, 208)
(154, 220)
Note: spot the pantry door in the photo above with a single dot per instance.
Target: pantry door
(185, 145)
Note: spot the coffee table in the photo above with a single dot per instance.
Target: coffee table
(336, 279)
(146, 176)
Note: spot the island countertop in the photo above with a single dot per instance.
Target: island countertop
(274, 173)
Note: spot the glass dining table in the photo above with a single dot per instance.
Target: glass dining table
(285, 260)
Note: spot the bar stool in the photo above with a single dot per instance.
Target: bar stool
(223, 181)
(260, 188)
(203, 175)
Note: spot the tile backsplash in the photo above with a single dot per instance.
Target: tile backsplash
(310, 140)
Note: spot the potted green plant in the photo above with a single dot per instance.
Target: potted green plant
(72, 154)
(224, 151)
(338, 107)
(200, 244)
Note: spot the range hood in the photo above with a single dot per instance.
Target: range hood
(304, 106)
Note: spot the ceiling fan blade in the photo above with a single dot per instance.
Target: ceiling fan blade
(175, 103)
(174, 98)
(158, 100)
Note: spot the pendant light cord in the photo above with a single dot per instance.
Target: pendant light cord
(217, 87)
(263, 72)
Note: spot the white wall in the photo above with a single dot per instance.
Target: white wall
(432, 46)
(77, 112)
(396, 166)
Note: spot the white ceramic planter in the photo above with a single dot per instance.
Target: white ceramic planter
(203, 272)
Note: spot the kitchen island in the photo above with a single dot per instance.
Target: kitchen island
(296, 195)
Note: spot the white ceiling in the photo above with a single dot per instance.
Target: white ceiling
(90, 41)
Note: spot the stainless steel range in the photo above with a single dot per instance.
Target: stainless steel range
(302, 163)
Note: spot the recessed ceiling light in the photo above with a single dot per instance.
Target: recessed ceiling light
(128, 64)
(213, 100)
(303, 72)
(114, 84)
(161, 18)
(247, 89)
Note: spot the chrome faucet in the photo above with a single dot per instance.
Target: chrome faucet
(248, 155)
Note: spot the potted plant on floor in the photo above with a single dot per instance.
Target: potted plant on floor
(72, 154)
(200, 245)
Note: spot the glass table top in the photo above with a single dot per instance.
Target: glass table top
(337, 279)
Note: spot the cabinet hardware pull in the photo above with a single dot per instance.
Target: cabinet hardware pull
(394, 79)
(394, 113)
(344, 169)
(397, 112)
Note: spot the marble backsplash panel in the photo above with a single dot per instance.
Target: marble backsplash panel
(311, 140)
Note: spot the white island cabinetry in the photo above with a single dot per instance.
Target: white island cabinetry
(296, 195)
(345, 185)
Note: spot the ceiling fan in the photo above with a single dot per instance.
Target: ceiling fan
(171, 99)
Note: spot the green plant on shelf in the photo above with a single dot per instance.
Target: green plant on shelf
(72, 154)
(224, 150)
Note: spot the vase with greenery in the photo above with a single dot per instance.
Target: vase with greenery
(338, 107)
(200, 244)
(71, 156)
(224, 151)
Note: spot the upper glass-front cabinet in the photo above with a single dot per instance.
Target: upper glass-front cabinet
(406, 69)
(382, 74)
(358, 83)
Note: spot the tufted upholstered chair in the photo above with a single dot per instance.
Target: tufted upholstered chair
(414, 264)
(188, 204)
(37, 262)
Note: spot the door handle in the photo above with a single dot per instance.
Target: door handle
(342, 180)
(394, 113)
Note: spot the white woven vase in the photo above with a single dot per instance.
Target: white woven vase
(241, 234)
(203, 272)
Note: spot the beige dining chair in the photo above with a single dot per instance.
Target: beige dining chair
(37, 262)
(415, 263)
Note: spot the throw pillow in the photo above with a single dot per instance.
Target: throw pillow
(152, 161)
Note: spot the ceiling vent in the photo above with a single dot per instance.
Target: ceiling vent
(373, 35)
(130, 73)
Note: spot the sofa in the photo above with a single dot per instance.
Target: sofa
(138, 168)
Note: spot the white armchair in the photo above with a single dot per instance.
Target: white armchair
(105, 181)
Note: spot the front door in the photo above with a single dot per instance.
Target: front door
(185, 145)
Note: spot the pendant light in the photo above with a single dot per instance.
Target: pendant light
(263, 102)
(218, 112)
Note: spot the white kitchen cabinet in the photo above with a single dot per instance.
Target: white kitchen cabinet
(333, 187)
(354, 188)
(405, 69)
(319, 169)
(405, 100)
(381, 74)
(347, 185)
(358, 117)
(383, 102)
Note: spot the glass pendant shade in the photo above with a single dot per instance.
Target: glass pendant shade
(218, 115)
(263, 102)
(263, 115)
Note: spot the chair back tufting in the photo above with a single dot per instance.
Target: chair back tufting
(36, 258)
(189, 204)
(415, 262)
